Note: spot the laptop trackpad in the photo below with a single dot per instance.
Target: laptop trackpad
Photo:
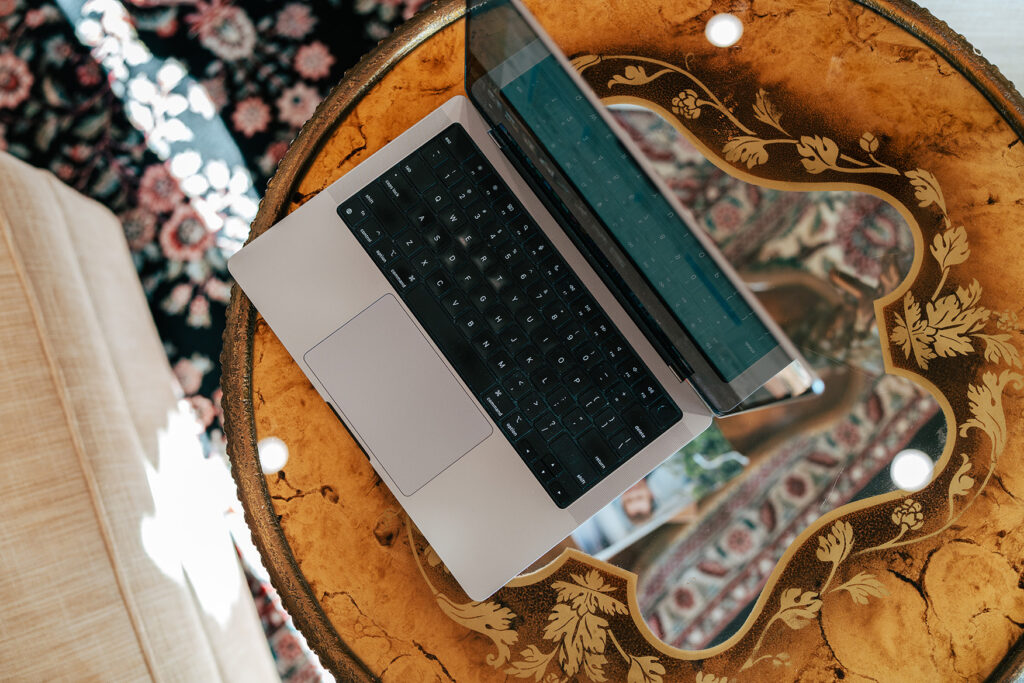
(395, 392)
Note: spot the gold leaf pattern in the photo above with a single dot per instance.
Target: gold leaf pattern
(583, 61)
(819, 153)
(908, 515)
(797, 609)
(953, 317)
(999, 349)
(862, 586)
(926, 189)
(747, 149)
(645, 670)
(869, 143)
(836, 544)
(961, 482)
(710, 678)
(986, 404)
(486, 618)
(635, 75)
(766, 112)
(531, 662)
(950, 247)
(912, 333)
(589, 594)
(687, 104)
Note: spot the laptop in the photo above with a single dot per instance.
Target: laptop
(509, 312)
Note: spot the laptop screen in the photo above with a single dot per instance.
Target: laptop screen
(529, 95)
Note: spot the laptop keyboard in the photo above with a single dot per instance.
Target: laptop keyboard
(506, 311)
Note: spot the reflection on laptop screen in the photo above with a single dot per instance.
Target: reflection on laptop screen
(638, 216)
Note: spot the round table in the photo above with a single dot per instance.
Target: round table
(872, 95)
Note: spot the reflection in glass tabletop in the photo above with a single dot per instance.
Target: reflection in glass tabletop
(705, 529)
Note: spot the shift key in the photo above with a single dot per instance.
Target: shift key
(573, 461)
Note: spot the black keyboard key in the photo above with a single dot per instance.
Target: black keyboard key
(498, 402)
(603, 375)
(609, 422)
(599, 328)
(352, 211)
(523, 228)
(464, 192)
(483, 259)
(588, 356)
(624, 444)
(375, 199)
(560, 360)
(455, 303)
(548, 426)
(490, 187)
(638, 423)
(573, 460)
(450, 173)
(562, 490)
(530, 319)
(501, 364)
(592, 401)
(631, 371)
(450, 257)
(665, 414)
(452, 218)
(647, 390)
(576, 379)
(533, 406)
(402, 275)
(560, 400)
(418, 172)
(476, 168)
(498, 318)
(615, 350)
(480, 296)
(541, 468)
(583, 307)
(437, 238)
(482, 218)
(572, 335)
(409, 242)
(466, 237)
(597, 451)
(506, 207)
(470, 280)
(510, 254)
(529, 359)
(437, 200)
(458, 143)
(531, 447)
(498, 279)
(541, 294)
(517, 385)
(399, 189)
(439, 283)
(553, 268)
(576, 421)
(556, 315)
(619, 396)
(495, 235)
(455, 347)
(537, 246)
(544, 378)
(545, 339)
(435, 152)
(370, 231)
(568, 288)
(470, 324)
(486, 344)
(384, 252)
(524, 273)
(514, 339)
(424, 263)
(514, 426)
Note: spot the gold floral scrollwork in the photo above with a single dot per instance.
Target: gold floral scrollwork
(861, 586)
(797, 608)
(986, 403)
(834, 547)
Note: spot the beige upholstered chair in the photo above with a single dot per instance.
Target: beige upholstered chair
(114, 563)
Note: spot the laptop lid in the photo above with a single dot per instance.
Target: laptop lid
(664, 270)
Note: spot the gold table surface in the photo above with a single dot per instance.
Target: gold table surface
(871, 95)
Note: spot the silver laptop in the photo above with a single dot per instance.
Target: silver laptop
(512, 316)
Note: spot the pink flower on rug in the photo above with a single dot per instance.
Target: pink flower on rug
(313, 61)
(159, 190)
(215, 90)
(846, 434)
(15, 81)
(739, 541)
(223, 29)
(269, 159)
(684, 598)
(204, 410)
(189, 376)
(297, 104)
(294, 21)
(251, 116)
(199, 313)
(178, 299)
(184, 237)
(139, 227)
(218, 290)
(88, 74)
(725, 217)
(34, 18)
(8, 7)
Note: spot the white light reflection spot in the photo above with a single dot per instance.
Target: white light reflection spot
(911, 469)
(273, 454)
(723, 30)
